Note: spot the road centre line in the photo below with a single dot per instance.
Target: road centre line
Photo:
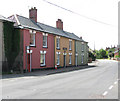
(115, 82)
(105, 93)
(111, 87)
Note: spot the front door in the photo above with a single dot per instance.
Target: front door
(64, 60)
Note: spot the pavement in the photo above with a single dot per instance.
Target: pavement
(49, 71)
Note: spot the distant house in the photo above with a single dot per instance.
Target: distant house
(116, 53)
(44, 46)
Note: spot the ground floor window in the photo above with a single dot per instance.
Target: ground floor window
(58, 58)
(70, 59)
(82, 60)
(42, 58)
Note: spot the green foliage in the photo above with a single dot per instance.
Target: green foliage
(11, 43)
(101, 54)
(92, 55)
(119, 54)
(111, 52)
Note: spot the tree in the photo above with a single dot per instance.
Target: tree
(92, 55)
(101, 54)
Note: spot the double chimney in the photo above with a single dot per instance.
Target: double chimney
(33, 16)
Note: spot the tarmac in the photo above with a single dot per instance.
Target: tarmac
(52, 71)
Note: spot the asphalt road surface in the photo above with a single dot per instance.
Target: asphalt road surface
(100, 82)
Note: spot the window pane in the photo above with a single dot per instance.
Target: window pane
(58, 40)
(45, 41)
(70, 45)
(42, 59)
(32, 39)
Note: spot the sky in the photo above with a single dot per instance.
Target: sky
(96, 20)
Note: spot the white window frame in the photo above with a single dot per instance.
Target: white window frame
(46, 36)
(82, 46)
(70, 44)
(58, 42)
(82, 58)
(42, 53)
(58, 59)
(70, 58)
(34, 33)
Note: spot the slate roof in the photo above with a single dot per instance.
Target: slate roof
(28, 23)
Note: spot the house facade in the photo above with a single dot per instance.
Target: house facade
(44, 46)
(81, 53)
(3, 60)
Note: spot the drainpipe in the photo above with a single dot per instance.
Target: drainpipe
(54, 51)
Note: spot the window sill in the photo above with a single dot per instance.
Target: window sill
(70, 49)
(42, 65)
(32, 46)
(45, 47)
(58, 64)
(58, 48)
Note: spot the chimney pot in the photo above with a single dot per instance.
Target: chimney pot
(59, 24)
(33, 14)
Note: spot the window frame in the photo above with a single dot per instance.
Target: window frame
(58, 42)
(45, 39)
(57, 55)
(70, 44)
(43, 53)
(82, 46)
(34, 37)
(70, 58)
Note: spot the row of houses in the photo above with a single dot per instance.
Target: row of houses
(44, 46)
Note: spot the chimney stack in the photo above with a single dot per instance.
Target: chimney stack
(33, 14)
(59, 24)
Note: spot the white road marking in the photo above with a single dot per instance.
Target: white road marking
(105, 93)
(115, 82)
(111, 87)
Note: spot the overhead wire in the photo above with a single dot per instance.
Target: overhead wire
(95, 20)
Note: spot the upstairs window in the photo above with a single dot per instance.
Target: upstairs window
(58, 42)
(32, 38)
(45, 40)
(82, 46)
(70, 44)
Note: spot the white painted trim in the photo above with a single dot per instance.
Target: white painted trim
(45, 34)
(70, 39)
(76, 54)
(57, 52)
(43, 52)
(17, 19)
(34, 32)
(27, 51)
(31, 51)
(64, 53)
(58, 37)
(30, 31)
(28, 47)
(70, 53)
(82, 42)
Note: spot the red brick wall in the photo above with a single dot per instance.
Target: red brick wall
(38, 48)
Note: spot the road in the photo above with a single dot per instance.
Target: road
(100, 82)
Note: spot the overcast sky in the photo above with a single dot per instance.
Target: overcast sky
(97, 21)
